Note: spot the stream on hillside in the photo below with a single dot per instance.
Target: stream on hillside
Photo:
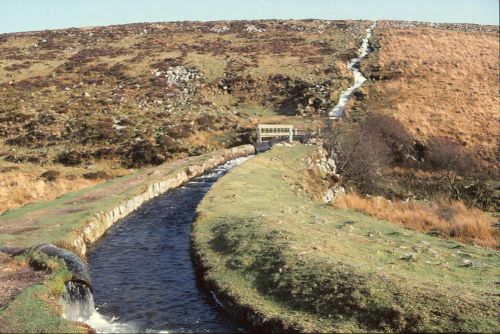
(143, 276)
(359, 79)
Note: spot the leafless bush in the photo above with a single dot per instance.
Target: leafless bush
(144, 153)
(394, 135)
(71, 158)
(51, 175)
(459, 168)
(96, 175)
(367, 152)
(360, 155)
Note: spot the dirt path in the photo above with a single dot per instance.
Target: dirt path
(14, 277)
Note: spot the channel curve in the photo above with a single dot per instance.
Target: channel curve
(142, 272)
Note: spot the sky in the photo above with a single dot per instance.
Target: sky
(29, 15)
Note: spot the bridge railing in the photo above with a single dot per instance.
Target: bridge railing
(274, 132)
(271, 131)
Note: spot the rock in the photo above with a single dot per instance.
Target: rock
(408, 257)
(252, 28)
(180, 74)
(466, 263)
(329, 196)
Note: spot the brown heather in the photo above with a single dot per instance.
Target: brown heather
(439, 83)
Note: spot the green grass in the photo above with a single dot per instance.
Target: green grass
(53, 227)
(36, 309)
(270, 247)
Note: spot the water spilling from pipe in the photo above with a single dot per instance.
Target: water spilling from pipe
(142, 273)
(78, 305)
(77, 301)
(338, 111)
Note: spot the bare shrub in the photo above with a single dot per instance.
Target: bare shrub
(99, 175)
(394, 135)
(360, 155)
(51, 175)
(370, 152)
(452, 161)
(70, 158)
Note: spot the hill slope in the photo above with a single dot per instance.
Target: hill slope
(104, 98)
(438, 81)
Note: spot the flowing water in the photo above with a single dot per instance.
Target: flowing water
(359, 79)
(143, 276)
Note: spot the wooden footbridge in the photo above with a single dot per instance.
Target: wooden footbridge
(267, 132)
(282, 132)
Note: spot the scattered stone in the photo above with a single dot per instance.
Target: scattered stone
(219, 29)
(466, 263)
(180, 74)
(445, 26)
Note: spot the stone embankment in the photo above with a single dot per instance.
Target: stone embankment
(323, 169)
(100, 223)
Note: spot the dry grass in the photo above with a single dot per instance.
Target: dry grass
(446, 83)
(451, 219)
(22, 184)
(18, 189)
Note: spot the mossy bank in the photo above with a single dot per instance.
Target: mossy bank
(37, 308)
(287, 263)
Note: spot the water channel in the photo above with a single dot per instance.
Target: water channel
(143, 276)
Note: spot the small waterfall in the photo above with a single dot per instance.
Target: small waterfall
(77, 301)
(338, 111)
(78, 305)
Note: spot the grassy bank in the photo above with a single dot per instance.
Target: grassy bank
(300, 265)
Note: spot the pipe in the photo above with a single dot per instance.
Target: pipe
(12, 251)
(76, 266)
(262, 147)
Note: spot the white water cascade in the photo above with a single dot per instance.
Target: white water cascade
(78, 305)
(338, 111)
